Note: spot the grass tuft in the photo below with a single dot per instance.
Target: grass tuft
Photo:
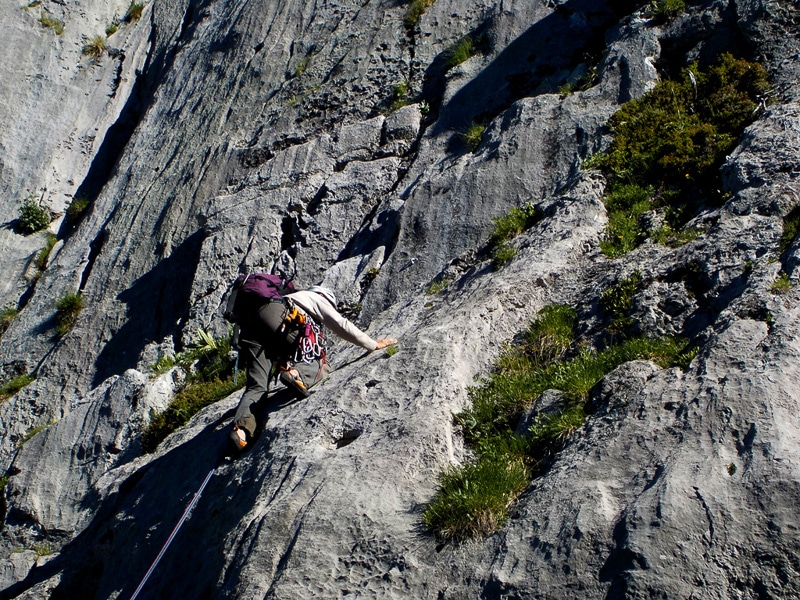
(210, 379)
(14, 385)
(460, 52)
(782, 284)
(416, 8)
(94, 46)
(134, 12)
(47, 21)
(44, 254)
(7, 315)
(68, 307)
(473, 500)
(473, 136)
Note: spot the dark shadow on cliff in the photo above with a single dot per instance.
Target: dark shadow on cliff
(156, 303)
(536, 62)
(115, 551)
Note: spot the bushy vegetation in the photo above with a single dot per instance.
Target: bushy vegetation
(12, 386)
(209, 379)
(68, 307)
(669, 144)
(32, 217)
(473, 500)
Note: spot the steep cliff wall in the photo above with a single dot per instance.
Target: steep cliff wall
(324, 139)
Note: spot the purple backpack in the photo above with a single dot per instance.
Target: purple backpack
(256, 285)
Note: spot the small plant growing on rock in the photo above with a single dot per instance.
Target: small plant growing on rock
(473, 499)
(662, 11)
(782, 283)
(15, 384)
(68, 307)
(617, 301)
(44, 254)
(47, 21)
(112, 28)
(391, 351)
(506, 228)
(473, 136)
(672, 142)
(77, 208)
(416, 8)
(94, 47)
(6, 317)
(134, 12)
(399, 97)
(460, 52)
(209, 379)
(791, 225)
(32, 217)
(437, 285)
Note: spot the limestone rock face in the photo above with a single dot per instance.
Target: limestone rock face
(326, 141)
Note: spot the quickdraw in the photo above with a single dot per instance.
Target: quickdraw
(311, 345)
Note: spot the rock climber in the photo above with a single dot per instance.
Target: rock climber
(270, 333)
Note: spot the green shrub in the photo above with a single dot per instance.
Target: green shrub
(391, 350)
(68, 307)
(32, 217)
(625, 204)
(94, 47)
(134, 12)
(112, 28)
(473, 136)
(673, 140)
(11, 387)
(47, 21)
(460, 52)
(209, 378)
(416, 8)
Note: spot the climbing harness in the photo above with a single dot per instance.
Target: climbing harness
(172, 535)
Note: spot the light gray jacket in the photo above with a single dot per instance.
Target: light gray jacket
(319, 309)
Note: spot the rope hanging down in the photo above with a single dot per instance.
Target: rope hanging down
(172, 535)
